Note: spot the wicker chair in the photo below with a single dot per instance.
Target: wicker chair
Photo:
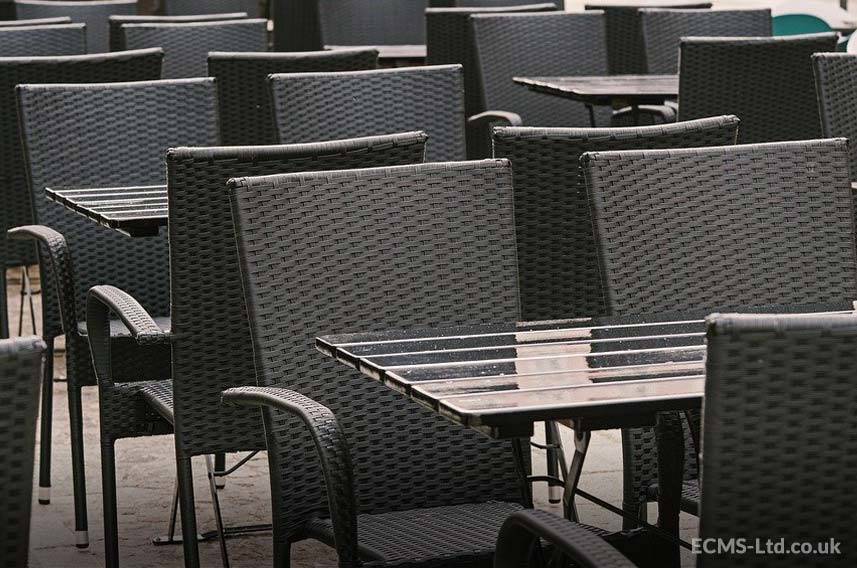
(116, 22)
(558, 4)
(47, 40)
(186, 46)
(698, 230)
(761, 80)
(419, 490)
(196, 7)
(93, 13)
(330, 106)
(35, 22)
(21, 362)
(212, 349)
(835, 83)
(309, 25)
(663, 29)
(625, 47)
(246, 116)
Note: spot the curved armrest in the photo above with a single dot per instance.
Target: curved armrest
(332, 451)
(666, 113)
(53, 246)
(100, 303)
(479, 131)
(522, 530)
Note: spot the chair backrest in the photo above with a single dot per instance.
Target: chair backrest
(93, 13)
(514, 45)
(112, 134)
(310, 107)
(835, 85)
(720, 228)
(766, 82)
(369, 250)
(780, 397)
(625, 48)
(34, 22)
(35, 41)
(19, 202)
(246, 116)
(213, 349)
(186, 46)
(663, 29)
(448, 40)
(21, 361)
(558, 4)
(557, 258)
(196, 7)
(116, 22)
(797, 24)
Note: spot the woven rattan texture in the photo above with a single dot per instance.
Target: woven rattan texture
(559, 4)
(35, 22)
(34, 41)
(557, 257)
(186, 46)
(116, 23)
(779, 410)
(532, 45)
(835, 83)
(372, 22)
(94, 13)
(663, 29)
(766, 82)
(376, 249)
(136, 66)
(625, 47)
(309, 107)
(20, 377)
(449, 41)
(246, 116)
(194, 7)
(212, 348)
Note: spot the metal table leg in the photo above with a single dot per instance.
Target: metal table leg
(581, 446)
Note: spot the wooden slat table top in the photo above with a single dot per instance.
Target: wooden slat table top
(607, 89)
(138, 211)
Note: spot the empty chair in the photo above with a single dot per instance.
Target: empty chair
(34, 22)
(195, 7)
(513, 45)
(186, 46)
(21, 362)
(835, 84)
(625, 47)
(246, 116)
(35, 41)
(448, 40)
(213, 349)
(559, 4)
(116, 22)
(94, 13)
(328, 106)
(767, 82)
(663, 29)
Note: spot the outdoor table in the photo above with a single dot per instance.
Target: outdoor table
(137, 211)
(617, 91)
(393, 55)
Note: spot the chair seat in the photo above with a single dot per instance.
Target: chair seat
(689, 496)
(159, 396)
(118, 329)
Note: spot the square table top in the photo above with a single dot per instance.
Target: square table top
(607, 89)
(137, 211)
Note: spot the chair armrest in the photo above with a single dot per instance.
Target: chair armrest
(333, 454)
(666, 113)
(522, 530)
(100, 303)
(52, 245)
(479, 131)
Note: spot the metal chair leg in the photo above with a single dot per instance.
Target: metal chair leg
(219, 467)
(78, 469)
(188, 511)
(218, 517)
(111, 515)
(23, 294)
(29, 289)
(46, 426)
(555, 460)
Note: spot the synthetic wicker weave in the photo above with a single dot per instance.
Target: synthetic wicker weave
(21, 362)
(663, 29)
(93, 13)
(198, 7)
(779, 407)
(558, 4)
(246, 116)
(557, 258)
(34, 22)
(518, 45)
(835, 85)
(449, 41)
(310, 107)
(376, 249)
(116, 22)
(34, 41)
(766, 82)
(186, 45)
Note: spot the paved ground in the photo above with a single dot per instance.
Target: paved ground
(145, 472)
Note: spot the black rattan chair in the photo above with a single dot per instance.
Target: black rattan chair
(21, 362)
(625, 47)
(835, 84)
(93, 13)
(766, 82)
(186, 45)
(197, 7)
(212, 348)
(559, 4)
(698, 230)
(329, 106)
(246, 116)
(116, 22)
(46, 40)
(34, 22)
